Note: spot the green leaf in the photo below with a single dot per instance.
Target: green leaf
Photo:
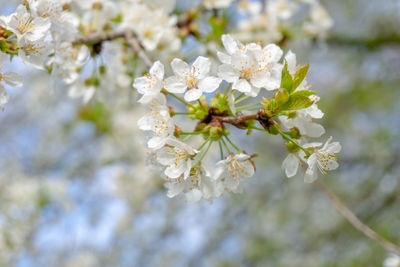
(304, 92)
(299, 76)
(287, 80)
(282, 96)
(297, 101)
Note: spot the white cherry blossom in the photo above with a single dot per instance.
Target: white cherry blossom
(10, 78)
(151, 84)
(23, 25)
(177, 156)
(34, 53)
(250, 67)
(158, 121)
(193, 80)
(198, 185)
(234, 168)
(323, 159)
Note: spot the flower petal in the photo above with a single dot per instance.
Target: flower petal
(193, 94)
(209, 84)
(174, 85)
(201, 67)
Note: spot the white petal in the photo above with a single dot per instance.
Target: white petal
(175, 85)
(201, 67)
(224, 58)
(314, 112)
(156, 142)
(313, 129)
(310, 176)
(175, 171)
(229, 43)
(193, 94)
(3, 95)
(193, 195)
(157, 70)
(242, 85)
(174, 189)
(335, 147)
(209, 84)
(228, 73)
(180, 67)
(290, 164)
(13, 79)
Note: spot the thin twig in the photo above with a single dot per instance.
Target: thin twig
(353, 219)
(129, 37)
(135, 45)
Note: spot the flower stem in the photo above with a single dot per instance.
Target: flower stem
(241, 99)
(182, 113)
(220, 150)
(203, 144)
(228, 89)
(232, 144)
(287, 138)
(179, 99)
(226, 146)
(189, 133)
(201, 157)
(259, 129)
(247, 106)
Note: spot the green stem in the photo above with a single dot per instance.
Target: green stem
(228, 89)
(287, 138)
(232, 144)
(186, 138)
(221, 152)
(226, 146)
(182, 113)
(179, 99)
(189, 133)
(247, 106)
(259, 129)
(203, 154)
(202, 145)
(240, 95)
(241, 99)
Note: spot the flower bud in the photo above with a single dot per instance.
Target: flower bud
(291, 147)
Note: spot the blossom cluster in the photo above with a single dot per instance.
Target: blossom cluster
(50, 35)
(247, 71)
(275, 20)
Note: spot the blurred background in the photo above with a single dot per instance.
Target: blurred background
(75, 189)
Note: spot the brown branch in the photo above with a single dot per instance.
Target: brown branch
(135, 45)
(353, 220)
(130, 38)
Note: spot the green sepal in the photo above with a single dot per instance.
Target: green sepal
(198, 112)
(220, 104)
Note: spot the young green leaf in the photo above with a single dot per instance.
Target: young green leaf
(287, 80)
(296, 102)
(299, 76)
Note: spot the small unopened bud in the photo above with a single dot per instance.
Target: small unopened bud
(295, 133)
(171, 111)
(177, 131)
(291, 147)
